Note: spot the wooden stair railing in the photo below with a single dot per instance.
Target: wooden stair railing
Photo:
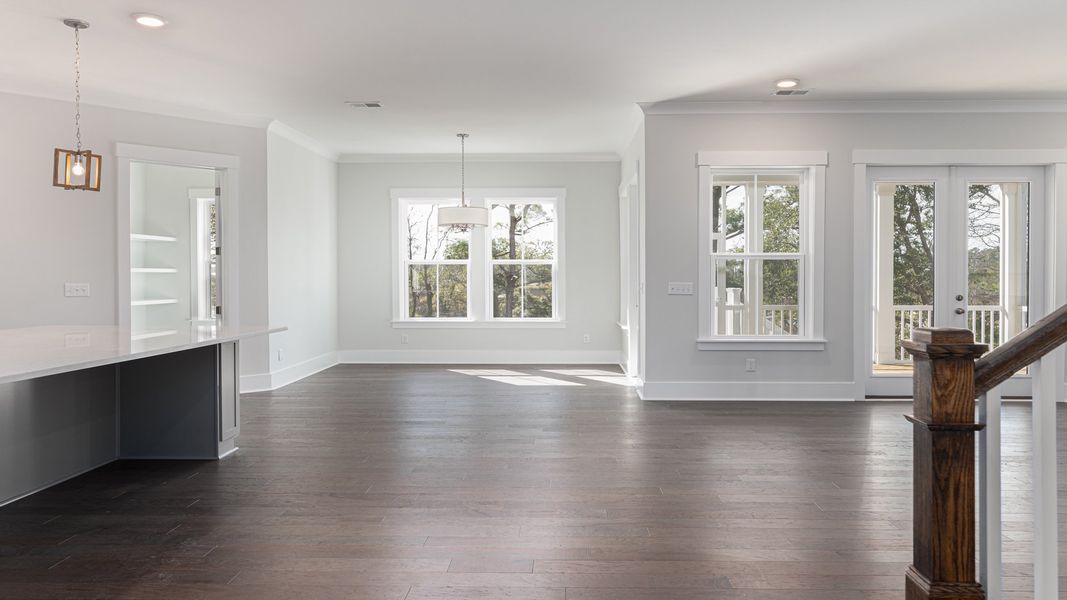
(1024, 349)
(948, 376)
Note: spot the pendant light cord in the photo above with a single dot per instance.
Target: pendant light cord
(462, 168)
(77, 89)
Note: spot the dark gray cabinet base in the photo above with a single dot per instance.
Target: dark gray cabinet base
(179, 405)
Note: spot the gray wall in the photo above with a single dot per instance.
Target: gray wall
(592, 262)
(302, 253)
(49, 236)
(671, 221)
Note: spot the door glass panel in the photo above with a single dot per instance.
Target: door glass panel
(904, 283)
(998, 260)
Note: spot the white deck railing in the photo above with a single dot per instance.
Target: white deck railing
(781, 319)
(777, 319)
(986, 321)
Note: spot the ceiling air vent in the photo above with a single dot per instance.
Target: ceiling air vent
(790, 92)
(364, 103)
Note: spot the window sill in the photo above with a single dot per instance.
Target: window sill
(750, 343)
(472, 324)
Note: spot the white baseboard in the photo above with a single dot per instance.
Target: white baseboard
(836, 391)
(259, 382)
(300, 370)
(265, 382)
(480, 357)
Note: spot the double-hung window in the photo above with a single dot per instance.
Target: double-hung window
(761, 250)
(509, 274)
(435, 263)
(523, 259)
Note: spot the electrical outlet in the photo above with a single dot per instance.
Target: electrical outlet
(403, 338)
(76, 340)
(750, 365)
(587, 338)
(281, 355)
(680, 288)
(76, 290)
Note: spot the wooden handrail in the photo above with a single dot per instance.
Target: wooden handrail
(1038, 340)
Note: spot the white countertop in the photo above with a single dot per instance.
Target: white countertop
(34, 352)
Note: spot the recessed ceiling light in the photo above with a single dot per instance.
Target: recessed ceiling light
(787, 84)
(149, 20)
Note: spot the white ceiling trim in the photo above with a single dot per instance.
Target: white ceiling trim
(302, 139)
(960, 156)
(762, 158)
(141, 105)
(485, 158)
(790, 106)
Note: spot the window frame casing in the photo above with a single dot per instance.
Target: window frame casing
(479, 271)
(811, 289)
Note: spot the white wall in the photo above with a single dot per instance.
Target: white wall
(633, 165)
(301, 255)
(49, 236)
(675, 368)
(592, 265)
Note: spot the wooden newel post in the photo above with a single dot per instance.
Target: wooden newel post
(943, 563)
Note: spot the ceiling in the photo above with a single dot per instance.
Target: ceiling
(523, 76)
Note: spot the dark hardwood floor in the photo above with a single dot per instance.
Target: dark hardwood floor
(419, 483)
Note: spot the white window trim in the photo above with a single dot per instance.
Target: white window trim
(479, 273)
(813, 267)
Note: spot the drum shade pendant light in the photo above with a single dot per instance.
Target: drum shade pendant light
(462, 215)
(76, 169)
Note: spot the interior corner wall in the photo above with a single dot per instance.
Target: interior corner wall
(301, 258)
(49, 236)
(676, 369)
(591, 224)
(633, 165)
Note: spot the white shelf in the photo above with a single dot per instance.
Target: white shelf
(153, 270)
(153, 302)
(144, 237)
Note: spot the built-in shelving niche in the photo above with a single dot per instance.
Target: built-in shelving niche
(161, 245)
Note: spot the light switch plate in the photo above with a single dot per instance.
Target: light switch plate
(76, 290)
(680, 288)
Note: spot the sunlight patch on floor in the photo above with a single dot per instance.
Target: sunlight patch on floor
(482, 372)
(581, 372)
(612, 377)
(526, 380)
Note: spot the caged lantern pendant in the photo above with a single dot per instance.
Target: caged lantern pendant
(76, 169)
(463, 215)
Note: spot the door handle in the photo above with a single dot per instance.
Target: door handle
(959, 297)
(960, 311)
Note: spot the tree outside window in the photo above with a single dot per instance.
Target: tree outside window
(523, 254)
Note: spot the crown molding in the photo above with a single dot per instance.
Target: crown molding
(302, 139)
(111, 101)
(480, 158)
(795, 106)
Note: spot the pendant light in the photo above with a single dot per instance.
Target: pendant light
(462, 215)
(76, 169)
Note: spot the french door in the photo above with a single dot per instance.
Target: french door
(952, 247)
